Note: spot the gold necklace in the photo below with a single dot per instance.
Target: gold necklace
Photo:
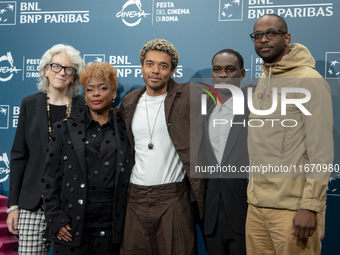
(67, 114)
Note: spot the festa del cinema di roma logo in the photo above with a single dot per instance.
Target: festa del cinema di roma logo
(4, 172)
(129, 16)
(8, 69)
(238, 103)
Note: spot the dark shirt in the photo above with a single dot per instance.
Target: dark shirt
(57, 113)
(100, 154)
(101, 162)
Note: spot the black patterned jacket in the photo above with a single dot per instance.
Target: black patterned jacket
(65, 179)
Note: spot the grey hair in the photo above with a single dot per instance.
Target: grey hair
(77, 61)
(160, 45)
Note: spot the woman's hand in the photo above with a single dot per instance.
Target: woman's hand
(64, 234)
(12, 222)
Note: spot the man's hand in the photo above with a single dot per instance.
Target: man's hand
(12, 222)
(304, 224)
(63, 233)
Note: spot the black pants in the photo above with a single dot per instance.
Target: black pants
(92, 243)
(224, 240)
(97, 232)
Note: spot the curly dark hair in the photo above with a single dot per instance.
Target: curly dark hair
(160, 45)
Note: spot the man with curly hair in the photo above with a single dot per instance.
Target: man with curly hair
(159, 217)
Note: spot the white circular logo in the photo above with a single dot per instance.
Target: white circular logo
(7, 69)
(125, 15)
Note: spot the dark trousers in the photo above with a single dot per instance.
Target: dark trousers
(92, 243)
(97, 233)
(224, 240)
(159, 221)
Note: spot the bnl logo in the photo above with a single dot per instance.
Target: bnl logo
(238, 99)
(230, 10)
(94, 58)
(4, 116)
(332, 65)
(8, 12)
(333, 188)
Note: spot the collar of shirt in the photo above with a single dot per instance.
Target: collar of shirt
(89, 121)
(228, 104)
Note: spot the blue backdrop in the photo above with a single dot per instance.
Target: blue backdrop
(115, 31)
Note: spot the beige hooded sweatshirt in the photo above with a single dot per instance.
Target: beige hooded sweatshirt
(279, 144)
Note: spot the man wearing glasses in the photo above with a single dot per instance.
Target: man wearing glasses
(286, 212)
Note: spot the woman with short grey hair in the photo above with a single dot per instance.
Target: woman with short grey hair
(58, 99)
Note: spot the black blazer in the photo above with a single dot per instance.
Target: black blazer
(65, 179)
(29, 150)
(233, 191)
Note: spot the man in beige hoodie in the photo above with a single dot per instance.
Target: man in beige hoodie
(287, 191)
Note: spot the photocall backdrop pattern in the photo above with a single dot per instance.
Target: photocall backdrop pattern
(115, 31)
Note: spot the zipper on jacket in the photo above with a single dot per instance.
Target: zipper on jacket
(251, 179)
(269, 80)
(283, 141)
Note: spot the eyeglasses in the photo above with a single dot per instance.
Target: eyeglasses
(270, 34)
(68, 69)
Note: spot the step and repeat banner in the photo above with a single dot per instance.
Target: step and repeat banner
(115, 31)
